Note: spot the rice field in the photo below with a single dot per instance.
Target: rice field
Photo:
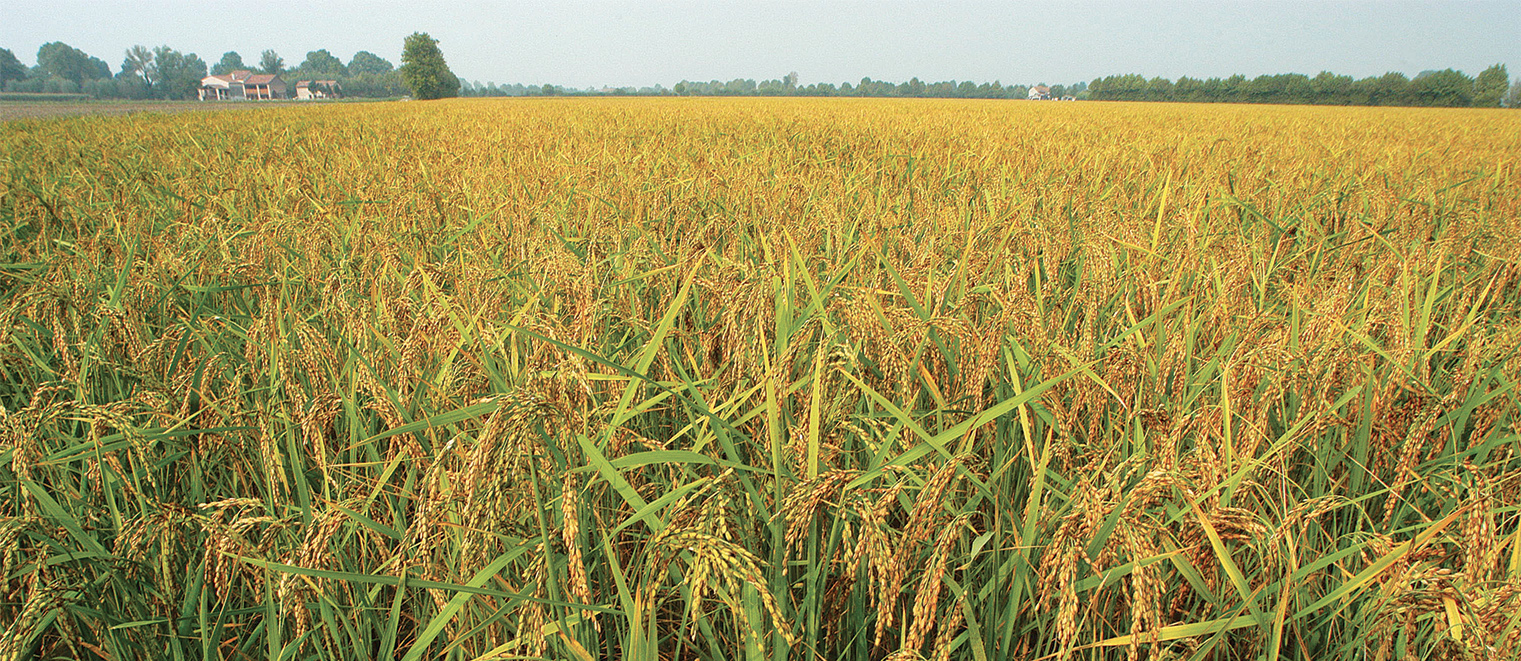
(761, 379)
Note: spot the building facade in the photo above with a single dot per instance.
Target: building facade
(243, 84)
(307, 90)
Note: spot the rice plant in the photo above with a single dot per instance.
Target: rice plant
(761, 379)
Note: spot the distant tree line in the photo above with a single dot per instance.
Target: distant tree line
(478, 88)
(788, 86)
(165, 73)
(912, 88)
(1446, 88)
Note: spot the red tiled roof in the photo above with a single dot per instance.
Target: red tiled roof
(260, 79)
(241, 75)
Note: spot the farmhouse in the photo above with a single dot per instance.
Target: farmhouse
(242, 84)
(307, 90)
(1040, 93)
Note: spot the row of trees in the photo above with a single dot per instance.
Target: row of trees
(787, 86)
(165, 73)
(1446, 88)
(160, 73)
(365, 75)
(912, 88)
(479, 88)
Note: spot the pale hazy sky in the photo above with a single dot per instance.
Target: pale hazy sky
(582, 43)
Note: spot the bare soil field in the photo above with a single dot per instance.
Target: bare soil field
(12, 110)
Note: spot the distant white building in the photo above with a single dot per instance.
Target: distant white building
(242, 84)
(307, 90)
(1040, 93)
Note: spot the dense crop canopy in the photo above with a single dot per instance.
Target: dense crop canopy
(748, 378)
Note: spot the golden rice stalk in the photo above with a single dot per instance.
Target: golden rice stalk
(800, 506)
(716, 560)
(41, 601)
(927, 596)
(570, 536)
(1058, 566)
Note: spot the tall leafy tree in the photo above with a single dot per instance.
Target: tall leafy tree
(231, 61)
(1186, 89)
(1390, 89)
(373, 76)
(1157, 89)
(424, 70)
(139, 62)
(1490, 87)
(10, 68)
(271, 62)
(320, 63)
(176, 75)
(58, 59)
(365, 62)
(1447, 88)
(1329, 88)
(97, 69)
